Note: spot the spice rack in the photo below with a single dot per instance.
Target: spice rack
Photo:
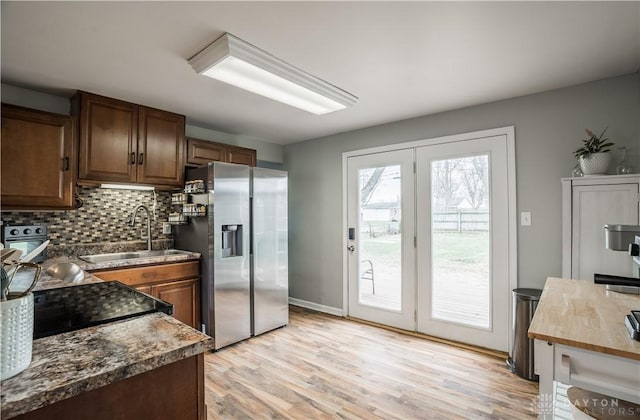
(194, 187)
(176, 218)
(192, 200)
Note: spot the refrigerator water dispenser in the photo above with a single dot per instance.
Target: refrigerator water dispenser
(231, 241)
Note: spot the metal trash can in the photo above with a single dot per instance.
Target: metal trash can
(525, 302)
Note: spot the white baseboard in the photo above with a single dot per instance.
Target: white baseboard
(316, 306)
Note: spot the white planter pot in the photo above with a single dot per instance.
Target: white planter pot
(595, 163)
(17, 335)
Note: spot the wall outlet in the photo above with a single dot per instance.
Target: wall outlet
(166, 228)
(525, 218)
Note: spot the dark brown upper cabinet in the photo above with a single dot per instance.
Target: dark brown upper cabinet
(129, 143)
(160, 147)
(38, 159)
(241, 155)
(200, 152)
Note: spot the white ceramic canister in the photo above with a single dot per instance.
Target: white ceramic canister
(16, 335)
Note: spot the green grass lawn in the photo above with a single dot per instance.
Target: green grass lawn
(453, 247)
(461, 247)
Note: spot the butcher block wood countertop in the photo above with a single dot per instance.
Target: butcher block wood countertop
(582, 314)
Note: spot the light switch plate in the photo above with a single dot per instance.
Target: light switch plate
(166, 228)
(525, 218)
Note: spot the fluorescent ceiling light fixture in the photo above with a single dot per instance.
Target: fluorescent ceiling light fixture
(238, 63)
(128, 187)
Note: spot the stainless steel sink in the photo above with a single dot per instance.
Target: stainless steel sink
(117, 256)
(160, 253)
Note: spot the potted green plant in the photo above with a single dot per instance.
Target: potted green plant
(594, 156)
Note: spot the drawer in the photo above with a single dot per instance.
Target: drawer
(152, 274)
(607, 374)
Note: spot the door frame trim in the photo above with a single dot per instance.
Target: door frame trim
(509, 132)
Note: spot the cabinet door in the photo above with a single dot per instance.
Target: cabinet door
(145, 289)
(38, 159)
(108, 133)
(160, 147)
(241, 155)
(201, 152)
(185, 297)
(593, 207)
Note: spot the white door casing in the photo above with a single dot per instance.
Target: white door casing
(501, 310)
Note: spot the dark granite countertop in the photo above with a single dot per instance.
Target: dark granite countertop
(133, 262)
(47, 282)
(68, 364)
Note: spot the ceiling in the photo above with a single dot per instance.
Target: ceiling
(402, 59)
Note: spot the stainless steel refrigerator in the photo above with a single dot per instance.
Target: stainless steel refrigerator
(269, 274)
(238, 292)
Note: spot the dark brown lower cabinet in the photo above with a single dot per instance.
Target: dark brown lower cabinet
(144, 289)
(173, 391)
(177, 283)
(184, 295)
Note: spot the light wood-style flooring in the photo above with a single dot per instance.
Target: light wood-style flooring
(326, 367)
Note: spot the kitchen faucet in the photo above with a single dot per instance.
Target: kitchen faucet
(132, 221)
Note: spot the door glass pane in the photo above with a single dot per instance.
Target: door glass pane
(380, 237)
(460, 217)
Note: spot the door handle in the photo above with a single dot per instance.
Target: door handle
(133, 158)
(141, 159)
(351, 248)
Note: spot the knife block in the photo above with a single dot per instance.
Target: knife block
(16, 333)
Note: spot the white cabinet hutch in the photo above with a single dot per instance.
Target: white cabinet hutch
(589, 203)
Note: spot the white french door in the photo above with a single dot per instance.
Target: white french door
(430, 238)
(381, 253)
(463, 242)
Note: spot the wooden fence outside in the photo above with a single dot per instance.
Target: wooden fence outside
(448, 221)
(461, 221)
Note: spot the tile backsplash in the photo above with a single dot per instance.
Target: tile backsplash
(102, 218)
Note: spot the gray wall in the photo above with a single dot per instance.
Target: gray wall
(548, 128)
(267, 152)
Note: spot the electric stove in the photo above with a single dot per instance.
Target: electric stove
(75, 307)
